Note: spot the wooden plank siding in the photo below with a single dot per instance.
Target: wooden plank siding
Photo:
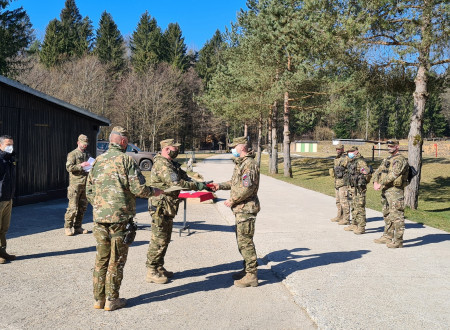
(44, 132)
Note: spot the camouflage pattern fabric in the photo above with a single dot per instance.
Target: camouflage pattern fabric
(341, 186)
(77, 206)
(392, 175)
(76, 191)
(245, 230)
(110, 260)
(244, 186)
(358, 178)
(112, 186)
(165, 173)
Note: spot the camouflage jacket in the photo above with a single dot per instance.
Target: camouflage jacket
(113, 184)
(339, 171)
(244, 185)
(358, 172)
(393, 172)
(167, 173)
(77, 176)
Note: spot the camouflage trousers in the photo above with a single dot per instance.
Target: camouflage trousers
(161, 234)
(393, 203)
(110, 259)
(357, 198)
(245, 230)
(342, 204)
(77, 206)
(5, 219)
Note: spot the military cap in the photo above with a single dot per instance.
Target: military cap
(352, 148)
(392, 142)
(169, 143)
(238, 140)
(340, 146)
(83, 139)
(119, 130)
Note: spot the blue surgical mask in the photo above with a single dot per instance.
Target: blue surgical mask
(351, 155)
(235, 153)
(9, 149)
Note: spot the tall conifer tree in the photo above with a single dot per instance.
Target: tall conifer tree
(175, 48)
(146, 44)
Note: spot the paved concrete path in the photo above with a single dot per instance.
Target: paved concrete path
(312, 273)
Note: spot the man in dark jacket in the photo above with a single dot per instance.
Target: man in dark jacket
(7, 189)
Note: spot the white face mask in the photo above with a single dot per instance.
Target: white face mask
(9, 149)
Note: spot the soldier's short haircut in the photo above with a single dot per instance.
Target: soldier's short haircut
(5, 137)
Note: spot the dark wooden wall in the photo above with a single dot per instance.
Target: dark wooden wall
(44, 133)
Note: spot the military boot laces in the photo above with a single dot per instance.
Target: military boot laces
(343, 222)
(112, 305)
(383, 240)
(154, 277)
(99, 304)
(68, 231)
(395, 245)
(249, 279)
(350, 228)
(359, 230)
(80, 231)
(239, 275)
(164, 272)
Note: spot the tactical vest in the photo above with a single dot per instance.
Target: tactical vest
(402, 179)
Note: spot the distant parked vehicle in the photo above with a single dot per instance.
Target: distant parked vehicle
(143, 158)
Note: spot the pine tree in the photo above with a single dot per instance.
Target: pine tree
(50, 54)
(110, 47)
(16, 35)
(146, 44)
(175, 48)
(209, 57)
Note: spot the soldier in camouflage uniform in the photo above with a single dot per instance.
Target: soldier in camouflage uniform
(359, 174)
(76, 192)
(244, 203)
(165, 173)
(391, 178)
(113, 184)
(339, 173)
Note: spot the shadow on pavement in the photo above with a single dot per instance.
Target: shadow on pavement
(212, 282)
(287, 263)
(200, 225)
(67, 252)
(427, 239)
(41, 217)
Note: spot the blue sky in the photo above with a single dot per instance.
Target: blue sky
(198, 19)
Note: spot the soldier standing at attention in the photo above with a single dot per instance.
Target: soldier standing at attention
(165, 173)
(359, 174)
(112, 186)
(244, 203)
(339, 173)
(7, 190)
(76, 192)
(391, 178)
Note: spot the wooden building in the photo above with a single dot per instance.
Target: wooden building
(44, 130)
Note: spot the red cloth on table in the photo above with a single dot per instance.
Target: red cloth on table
(203, 195)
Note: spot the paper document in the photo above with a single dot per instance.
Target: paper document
(90, 161)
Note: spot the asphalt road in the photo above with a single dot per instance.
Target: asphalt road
(312, 273)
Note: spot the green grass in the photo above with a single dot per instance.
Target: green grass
(434, 194)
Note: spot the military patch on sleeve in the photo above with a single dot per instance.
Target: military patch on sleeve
(246, 182)
(173, 177)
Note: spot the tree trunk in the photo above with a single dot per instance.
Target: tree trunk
(269, 138)
(245, 129)
(286, 138)
(274, 159)
(415, 140)
(259, 149)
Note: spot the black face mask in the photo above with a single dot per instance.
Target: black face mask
(173, 154)
(391, 150)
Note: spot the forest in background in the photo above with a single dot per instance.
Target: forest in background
(285, 70)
